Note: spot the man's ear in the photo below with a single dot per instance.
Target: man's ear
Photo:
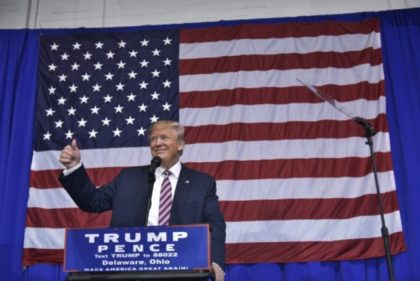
(180, 147)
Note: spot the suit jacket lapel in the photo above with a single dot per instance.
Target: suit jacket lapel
(181, 195)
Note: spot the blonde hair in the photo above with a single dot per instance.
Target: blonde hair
(180, 130)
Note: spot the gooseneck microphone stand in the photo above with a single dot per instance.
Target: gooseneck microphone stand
(369, 133)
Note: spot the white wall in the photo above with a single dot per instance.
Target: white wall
(107, 13)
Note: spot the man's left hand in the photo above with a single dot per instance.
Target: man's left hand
(219, 274)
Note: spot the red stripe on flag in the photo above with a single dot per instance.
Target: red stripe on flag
(294, 209)
(49, 178)
(59, 218)
(279, 30)
(234, 211)
(279, 95)
(32, 256)
(280, 61)
(291, 168)
(280, 131)
(281, 252)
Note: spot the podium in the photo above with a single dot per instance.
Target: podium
(138, 253)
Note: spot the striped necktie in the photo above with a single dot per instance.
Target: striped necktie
(165, 202)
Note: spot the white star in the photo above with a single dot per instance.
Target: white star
(54, 47)
(73, 88)
(155, 95)
(71, 111)
(65, 56)
(61, 100)
(167, 84)
(92, 134)
(156, 52)
(144, 63)
(109, 76)
(75, 66)
(143, 85)
(84, 99)
(76, 46)
(130, 120)
(59, 124)
(133, 54)
(96, 87)
(106, 121)
(99, 45)
(120, 87)
(167, 41)
(154, 119)
(132, 75)
(131, 97)
(51, 90)
(82, 122)
(98, 66)
(62, 78)
(142, 107)
(95, 110)
(87, 55)
(167, 61)
(122, 44)
(117, 132)
(50, 111)
(144, 43)
(110, 55)
(141, 131)
(85, 77)
(119, 109)
(166, 107)
(107, 98)
(52, 67)
(69, 134)
(155, 73)
(121, 64)
(47, 136)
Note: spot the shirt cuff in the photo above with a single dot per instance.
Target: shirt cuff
(67, 172)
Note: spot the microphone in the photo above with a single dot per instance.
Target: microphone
(151, 180)
(154, 164)
(370, 131)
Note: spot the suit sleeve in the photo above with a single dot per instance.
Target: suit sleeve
(214, 217)
(85, 194)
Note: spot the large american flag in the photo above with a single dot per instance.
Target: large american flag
(294, 175)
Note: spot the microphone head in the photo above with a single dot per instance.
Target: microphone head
(156, 161)
(154, 164)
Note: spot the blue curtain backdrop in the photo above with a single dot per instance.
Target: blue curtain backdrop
(401, 52)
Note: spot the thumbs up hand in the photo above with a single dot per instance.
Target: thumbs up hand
(70, 155)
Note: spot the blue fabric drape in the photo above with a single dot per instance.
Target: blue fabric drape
(400, 40)
(18, 56)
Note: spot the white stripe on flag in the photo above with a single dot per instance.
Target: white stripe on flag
(281, 78)
(310, 230)
(50, 198)
(35, 238)
(248, 190)
(264, 113)
(290, 45)
(230, 150)
(262, 231)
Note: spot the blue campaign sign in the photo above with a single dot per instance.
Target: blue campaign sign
(153, 248)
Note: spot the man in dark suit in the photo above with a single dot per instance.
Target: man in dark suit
(193, 193)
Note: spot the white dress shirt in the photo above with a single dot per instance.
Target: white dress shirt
(173, 178)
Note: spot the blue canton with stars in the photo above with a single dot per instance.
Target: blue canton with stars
(105, 90)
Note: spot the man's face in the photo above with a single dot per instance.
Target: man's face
(164, 143)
